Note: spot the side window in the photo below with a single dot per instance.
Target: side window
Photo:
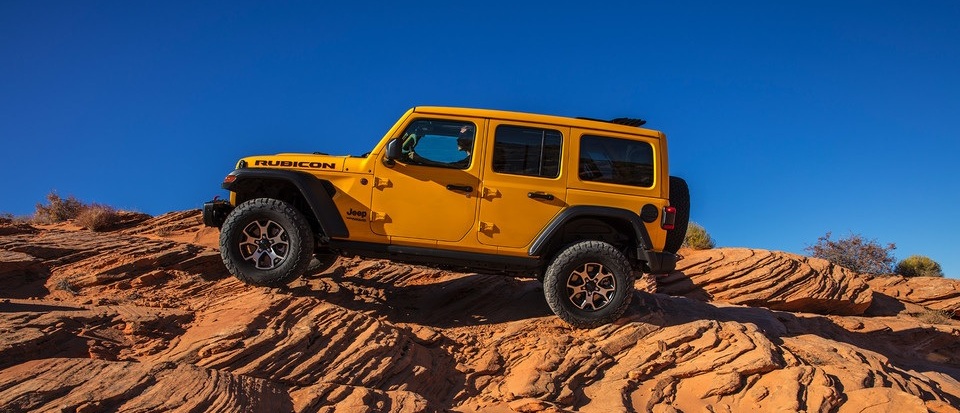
(527, 151)
(616, 161)
(442, 143)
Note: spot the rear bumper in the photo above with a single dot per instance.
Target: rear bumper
(660, 262)
(215, 212)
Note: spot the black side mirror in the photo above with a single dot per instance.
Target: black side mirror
(393, 152)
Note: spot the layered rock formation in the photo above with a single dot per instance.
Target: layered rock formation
(146, 319)
(771, 279)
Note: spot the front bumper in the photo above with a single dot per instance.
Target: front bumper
(215, 212)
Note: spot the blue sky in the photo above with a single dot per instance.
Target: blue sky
(788, 120)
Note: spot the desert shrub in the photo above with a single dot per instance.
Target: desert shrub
(931, 316)
(57, 209)
(919, 266)
(697, 237)
(65, 285)
(8, 218)
(96, 217)
(856, 253)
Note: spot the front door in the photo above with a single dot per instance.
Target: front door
(431, 192)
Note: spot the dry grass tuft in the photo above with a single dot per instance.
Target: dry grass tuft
(57, 209)
(97, 217)
(931, 316)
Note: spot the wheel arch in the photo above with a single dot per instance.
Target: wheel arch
(577, 218)
(311, 195)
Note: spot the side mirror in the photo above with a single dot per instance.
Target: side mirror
(393, 152)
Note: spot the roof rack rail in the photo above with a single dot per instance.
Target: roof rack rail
(636, 122)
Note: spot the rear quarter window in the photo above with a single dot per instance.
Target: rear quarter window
(616, 161)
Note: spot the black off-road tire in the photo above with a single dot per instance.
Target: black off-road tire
(679, 199)
(570, 294)
(266, 242)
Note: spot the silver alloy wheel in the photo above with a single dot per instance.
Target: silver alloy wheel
(265, 244)
(591, 287)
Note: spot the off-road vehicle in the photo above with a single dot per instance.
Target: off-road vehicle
(584, 205)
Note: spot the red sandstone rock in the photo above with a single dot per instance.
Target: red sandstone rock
(771, 279)
(146, 319)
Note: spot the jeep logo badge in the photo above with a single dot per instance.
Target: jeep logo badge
(356, 215)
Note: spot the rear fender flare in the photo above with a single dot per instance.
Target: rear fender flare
(555, 228)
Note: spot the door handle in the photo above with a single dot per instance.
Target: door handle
(540, 195)
(461, 188)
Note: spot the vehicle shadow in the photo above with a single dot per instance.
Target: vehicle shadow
(452, 301)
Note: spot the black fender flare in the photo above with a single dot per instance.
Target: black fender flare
(317, 192)
(542, 241)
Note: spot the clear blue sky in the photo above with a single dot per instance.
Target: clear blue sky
(787, 120)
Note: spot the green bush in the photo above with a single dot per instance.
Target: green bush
(57, 209)
(855, 253)
(919, 266)
(697, 237)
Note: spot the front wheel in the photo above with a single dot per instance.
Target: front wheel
(266, 242)
(589, 284)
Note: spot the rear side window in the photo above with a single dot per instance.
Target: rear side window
(527, 151)
(616, 161)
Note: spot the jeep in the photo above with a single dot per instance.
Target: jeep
(583, 205)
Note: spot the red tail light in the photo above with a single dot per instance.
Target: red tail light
(669, 217)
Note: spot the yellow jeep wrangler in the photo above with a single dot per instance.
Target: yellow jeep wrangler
(582, 204)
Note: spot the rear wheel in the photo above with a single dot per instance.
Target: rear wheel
(589, 284)
(679, 199)
(266, 242)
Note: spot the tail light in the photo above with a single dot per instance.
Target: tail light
(669, 217)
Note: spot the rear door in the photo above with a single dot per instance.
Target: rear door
(524, 182)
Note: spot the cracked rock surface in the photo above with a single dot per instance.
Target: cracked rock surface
(146, 318)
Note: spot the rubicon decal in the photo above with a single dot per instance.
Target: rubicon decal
(296, 164)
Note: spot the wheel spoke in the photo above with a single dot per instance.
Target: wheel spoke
(607, 293)
(576, 280)
(588, 301)
(273, 259)
(256, 257)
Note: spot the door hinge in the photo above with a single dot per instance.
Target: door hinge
(377, 216)
(490, 193)
(488, 227)
(381, 183)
